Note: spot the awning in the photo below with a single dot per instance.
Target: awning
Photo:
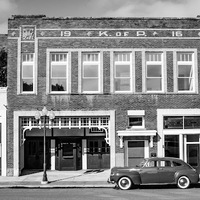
(135, 132)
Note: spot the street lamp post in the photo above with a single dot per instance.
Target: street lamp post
(39, 115)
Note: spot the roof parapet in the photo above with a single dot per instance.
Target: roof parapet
(27, 16)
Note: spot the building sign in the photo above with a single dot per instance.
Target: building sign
(148, 33)
(28, 33)
(137, 33)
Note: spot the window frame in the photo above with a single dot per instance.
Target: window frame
(48, 70)
(99, 77)
(130, 63)
(137, 116)
(59, 63)
(152, 63)
(22, 78)
(193, 66)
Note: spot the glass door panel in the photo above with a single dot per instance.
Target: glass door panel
(172, 146)
(193, 154)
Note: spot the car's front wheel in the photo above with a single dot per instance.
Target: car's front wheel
(183, 182)
(124, 183)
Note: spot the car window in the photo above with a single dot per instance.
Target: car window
(176, 164)
(142, 163)
(165, 163)
(152, 163)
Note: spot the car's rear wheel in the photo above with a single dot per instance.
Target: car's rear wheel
(183, 182)
(124, 183)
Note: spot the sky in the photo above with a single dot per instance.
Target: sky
(97, 8)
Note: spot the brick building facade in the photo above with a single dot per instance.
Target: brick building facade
(121, 89)
(3, 104)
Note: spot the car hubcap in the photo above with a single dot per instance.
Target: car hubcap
(124, 183)
(183, 182)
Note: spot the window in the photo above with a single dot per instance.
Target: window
(122, 72)
(136, 121)
(91, 72)
(28, 74)
(165, 163)
(154, 72)
(152, 163)
(185, 71)
(172, 146)
(58, 72)
(176, 164)
(181, 122)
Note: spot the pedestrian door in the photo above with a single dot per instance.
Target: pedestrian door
(68, 155)
(135, 152)
(98, 156)
(34, 153)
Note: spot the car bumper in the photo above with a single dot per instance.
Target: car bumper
(110, 181)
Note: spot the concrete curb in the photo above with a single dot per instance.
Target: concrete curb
(56, 186)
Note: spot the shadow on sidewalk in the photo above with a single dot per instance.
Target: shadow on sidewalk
(30, 171)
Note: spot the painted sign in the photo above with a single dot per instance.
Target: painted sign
(132, 33)
(28, 33)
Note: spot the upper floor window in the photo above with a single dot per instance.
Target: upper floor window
(91, 72)
(58, 72)
(154, 72)
(185, 71)
(136, 121)
(122, 72)
(28, 73)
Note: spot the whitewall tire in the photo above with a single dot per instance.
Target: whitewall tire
(124, 183)
(183, 182)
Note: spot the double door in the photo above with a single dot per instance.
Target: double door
(68, 154)
(98, 155)
(34, 153)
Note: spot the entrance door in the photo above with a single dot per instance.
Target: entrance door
(98, 154)
(68, 155)
(193, 154)
(34, 153)
(135, 152)
(193, 151)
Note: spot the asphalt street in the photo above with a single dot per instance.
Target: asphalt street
(142, 193)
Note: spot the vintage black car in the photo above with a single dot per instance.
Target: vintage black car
(155, 171)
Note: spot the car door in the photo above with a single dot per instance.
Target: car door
(149, 173)
(166, 171)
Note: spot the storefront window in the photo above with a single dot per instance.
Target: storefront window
(173, 122)
(193, 138)
(172, 146)
(181, 122)
(191, 122)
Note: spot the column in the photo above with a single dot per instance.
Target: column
(84, 154)
(53, 154)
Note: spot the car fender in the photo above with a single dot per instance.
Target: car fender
(194, 177)
(179, 174)
(133, 175)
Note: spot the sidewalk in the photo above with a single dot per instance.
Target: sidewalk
(59, 179)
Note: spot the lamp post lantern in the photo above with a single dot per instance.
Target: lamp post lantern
(39, 115)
